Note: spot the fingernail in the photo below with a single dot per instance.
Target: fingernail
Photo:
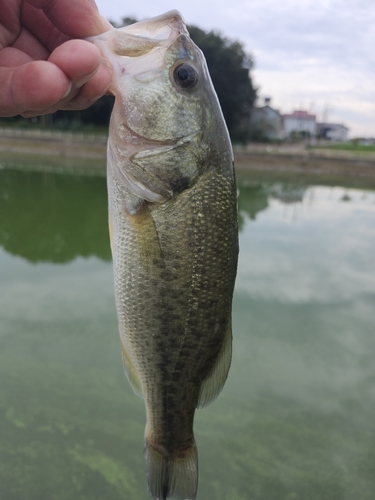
(68, 91)
(80, 83)
(107, 76)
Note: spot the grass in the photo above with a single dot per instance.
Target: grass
(58, 126)
(349, 146)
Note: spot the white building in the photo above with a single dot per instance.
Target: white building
(266, 122)
(333, 131)
(300, 123)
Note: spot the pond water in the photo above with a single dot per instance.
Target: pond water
(295, 420)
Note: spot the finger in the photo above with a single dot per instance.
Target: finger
(78, 59)
(11, 57)
(9, 22)
(43, 29)
(27, 43)
(34, 86)
(81, 62)
(77, 19)
(95, 88)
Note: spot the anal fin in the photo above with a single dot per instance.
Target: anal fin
(110, 227)
(131, 373)
(215, 380)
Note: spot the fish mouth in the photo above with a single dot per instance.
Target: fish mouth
(141, 37)
(162, 27)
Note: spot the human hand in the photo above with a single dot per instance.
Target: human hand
(44, 66)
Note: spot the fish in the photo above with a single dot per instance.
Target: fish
(174, 237)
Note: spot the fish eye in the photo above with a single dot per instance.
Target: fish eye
(185, 76)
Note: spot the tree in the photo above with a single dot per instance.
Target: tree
(125, 21)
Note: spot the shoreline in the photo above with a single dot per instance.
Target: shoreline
(306, 164)
(81, 152)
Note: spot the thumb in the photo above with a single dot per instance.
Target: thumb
(31, 87)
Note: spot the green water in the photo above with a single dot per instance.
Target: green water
(296, 419)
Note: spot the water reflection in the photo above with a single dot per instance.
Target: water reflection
(296, 418)
(304, 315)
(254, 198)
(53, 218)
(48, 217)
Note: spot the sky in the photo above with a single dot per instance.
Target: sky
(315, 55)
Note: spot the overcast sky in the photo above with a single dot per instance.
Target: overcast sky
(316, 55)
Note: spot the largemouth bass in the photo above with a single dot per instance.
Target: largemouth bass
(173, 225)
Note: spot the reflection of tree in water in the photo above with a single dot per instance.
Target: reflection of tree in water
(254, 198)
(288, 193)
(53, 218)
(251, 200)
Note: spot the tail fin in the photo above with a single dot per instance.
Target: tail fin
(171, 477)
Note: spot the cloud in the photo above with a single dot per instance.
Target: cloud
(48, 292)
(295, 254)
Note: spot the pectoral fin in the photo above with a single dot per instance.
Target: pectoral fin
(215, 380)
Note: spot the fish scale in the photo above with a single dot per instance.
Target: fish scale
(173, 220)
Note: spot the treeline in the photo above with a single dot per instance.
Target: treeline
(229, 66)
